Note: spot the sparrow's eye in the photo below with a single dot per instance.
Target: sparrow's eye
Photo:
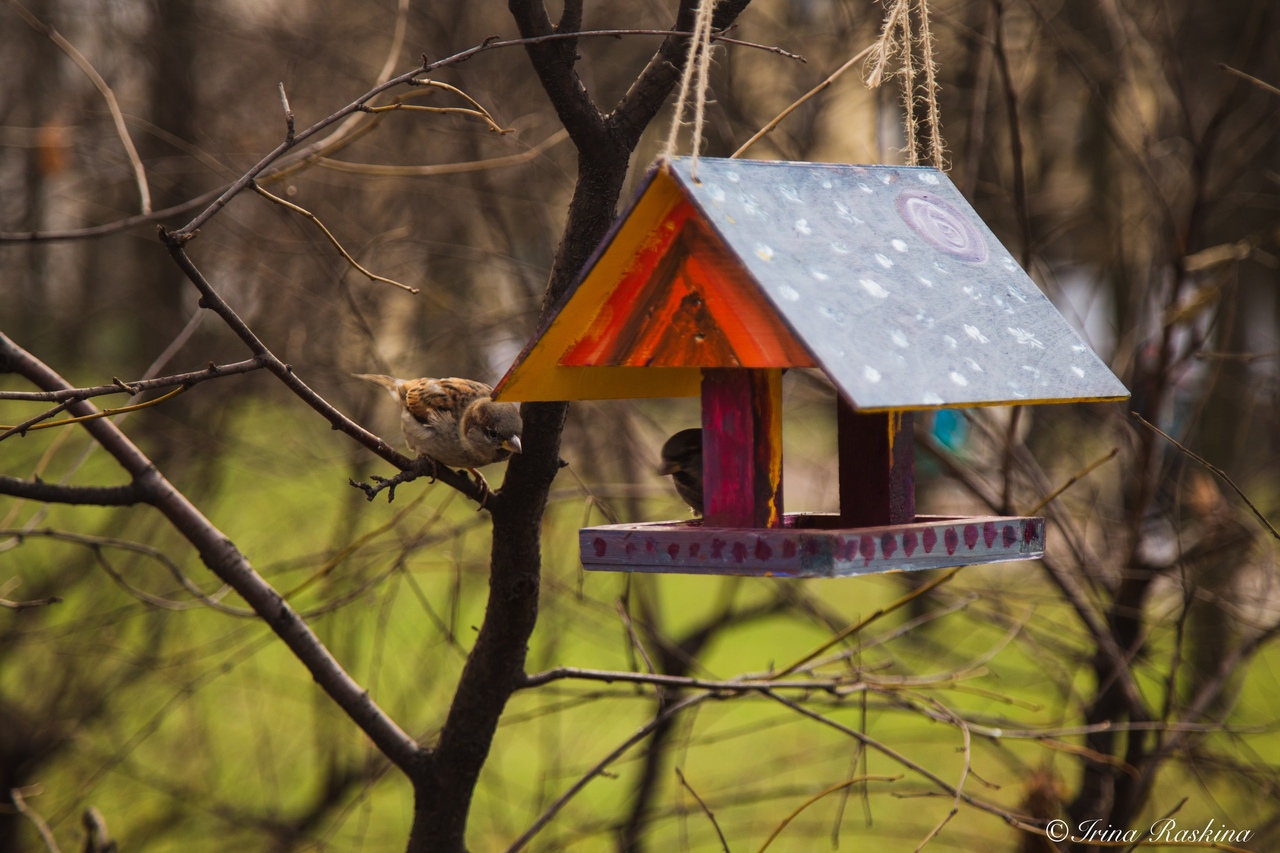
(492, 434)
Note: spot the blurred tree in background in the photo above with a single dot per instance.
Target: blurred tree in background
(1127, 152)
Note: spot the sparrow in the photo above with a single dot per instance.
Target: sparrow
(682, 459)
(454, 421)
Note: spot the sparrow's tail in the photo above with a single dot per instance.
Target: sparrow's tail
(389, 382)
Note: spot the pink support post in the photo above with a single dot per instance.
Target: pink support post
(877, 467)
(742, 447)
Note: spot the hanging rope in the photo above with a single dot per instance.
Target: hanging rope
(897, 37)
(697, 62)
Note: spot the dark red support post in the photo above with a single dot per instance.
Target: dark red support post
(742, 447)
(877, 467)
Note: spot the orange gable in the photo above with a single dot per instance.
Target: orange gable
(685, 302)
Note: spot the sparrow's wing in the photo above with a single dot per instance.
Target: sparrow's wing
(430, 400)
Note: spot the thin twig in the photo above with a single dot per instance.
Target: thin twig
(104, 413)
(1212, 468)
(859, 625)
(836, 686)
(98, 543)
(290, 130)
(639, 735)
(848, 783)
(23, 605)
(1261, 84)
(724, 845)
(332, 239)
(1075, 478)
(1246, 357)
(835, 75)
(432, 171)
(30, 814)
(137, 386)
(139, 173)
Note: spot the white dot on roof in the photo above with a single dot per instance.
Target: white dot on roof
(802, 226)
(833, 314)
(716, 193)
(818, 274)
(826, 185)
(840, 248)
(871, 373)
(789, 193)
(973, 365)
(975, 333)
(886, 178)
(865, 188)
(950, 341)
(788, 292)
(883, 260)
(900, 245)
(873, 287)
(899, 337)
(731, 177)
(929, 178)
(1077, 371)
(958, 378)
(764, 252)
(1017, 389)
(931, 399)
(924, 281)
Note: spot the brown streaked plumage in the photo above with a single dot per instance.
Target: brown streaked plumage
(682, 459)
(454, 421)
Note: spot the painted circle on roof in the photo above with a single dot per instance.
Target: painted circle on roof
(942, 226)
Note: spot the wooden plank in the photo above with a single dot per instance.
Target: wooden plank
(810, 546)
(877, 466)
(742, 447)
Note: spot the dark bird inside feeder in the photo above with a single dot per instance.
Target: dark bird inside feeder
(682, 460)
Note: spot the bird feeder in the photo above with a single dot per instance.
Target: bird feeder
(884, 278)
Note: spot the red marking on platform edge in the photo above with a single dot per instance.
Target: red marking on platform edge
(674, 550)
(717, 548)
(909, 542)
(867, 548)
(694, 548)
(788, 549)
(1029, 531)
(888, 544)
(600, 546)
(739, 552)
(971, 535)
(951, 539)
(989, 532)
(763, 551)
(1010, 536)
(930, 538)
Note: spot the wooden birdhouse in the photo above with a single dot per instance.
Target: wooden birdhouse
(884, 278)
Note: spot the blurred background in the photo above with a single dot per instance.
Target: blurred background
(1128, 153)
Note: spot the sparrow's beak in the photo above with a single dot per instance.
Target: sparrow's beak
(668, 466)
(512, 444)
